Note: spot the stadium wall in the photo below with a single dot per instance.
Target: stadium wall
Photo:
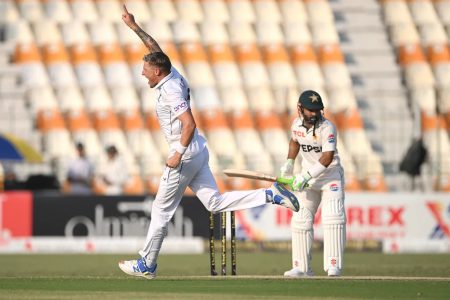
(403, 222)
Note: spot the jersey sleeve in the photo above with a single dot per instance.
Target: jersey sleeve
(329, 138)
(177, 103)
(292, 133)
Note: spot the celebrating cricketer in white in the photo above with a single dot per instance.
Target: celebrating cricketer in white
(321, 180)
(187, 164)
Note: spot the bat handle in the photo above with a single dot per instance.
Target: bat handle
(284, 180)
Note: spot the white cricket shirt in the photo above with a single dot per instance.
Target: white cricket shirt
(173, 99)
(311, 148)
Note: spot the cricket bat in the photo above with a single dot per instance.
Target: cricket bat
(256, 175)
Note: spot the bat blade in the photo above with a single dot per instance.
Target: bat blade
(249, 174)
(255, 175)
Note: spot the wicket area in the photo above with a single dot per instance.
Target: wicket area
(223, 239)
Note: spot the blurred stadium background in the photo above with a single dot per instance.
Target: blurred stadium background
(70, 71)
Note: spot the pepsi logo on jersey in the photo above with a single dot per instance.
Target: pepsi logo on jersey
(331, 138)
(334, 187)
(309, 148)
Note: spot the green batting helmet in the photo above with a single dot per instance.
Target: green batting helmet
(311, 100)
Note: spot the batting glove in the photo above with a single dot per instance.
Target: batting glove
(287, 169)
(300, 182)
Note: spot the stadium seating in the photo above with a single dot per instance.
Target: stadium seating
(246, 62)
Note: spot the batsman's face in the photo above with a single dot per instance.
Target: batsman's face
(151, 72)
(310, 116)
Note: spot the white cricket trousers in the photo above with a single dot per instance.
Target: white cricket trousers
(196, 174)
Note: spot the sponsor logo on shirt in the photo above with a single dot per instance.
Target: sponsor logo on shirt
(334, 187)
(309, 148)
(331, 139)
(180, 106)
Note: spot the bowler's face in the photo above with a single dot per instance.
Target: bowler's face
(151, 73)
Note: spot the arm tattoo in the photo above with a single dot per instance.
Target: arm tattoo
(148, 41)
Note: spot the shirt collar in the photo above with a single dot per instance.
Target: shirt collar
(164, 80)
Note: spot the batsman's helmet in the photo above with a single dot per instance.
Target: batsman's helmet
(311, 100)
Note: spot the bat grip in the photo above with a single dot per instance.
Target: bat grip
(284, 180)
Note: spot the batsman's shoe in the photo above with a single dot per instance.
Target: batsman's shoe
(278, 194)
(296, 273)
(138, 268)
(334, 272)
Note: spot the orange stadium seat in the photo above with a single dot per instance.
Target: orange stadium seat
(115, 67)
(439, 53)
(105, 120)
(32, 70)
(132, 120)
(84, 60)
(134, 54)
(152, 183)
(26, 53)
(439, 58)
(373, 175)
(273, 134)
(330, 53)
(50, 120)
(58, 65)
(78, 121)
(134, 186)
(220, 137)
(306, 66)
(409, 54)
(224, 65)
(253, 70)
(195, 60)
(280, 69)
(438, 148)
(249, 141)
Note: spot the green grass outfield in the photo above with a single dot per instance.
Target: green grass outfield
(367, 276)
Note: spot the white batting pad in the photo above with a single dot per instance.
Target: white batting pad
(302, 239)
(333, 245)
(333, 218)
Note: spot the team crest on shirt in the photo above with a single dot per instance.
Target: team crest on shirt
(334, 187)
(331, 138)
